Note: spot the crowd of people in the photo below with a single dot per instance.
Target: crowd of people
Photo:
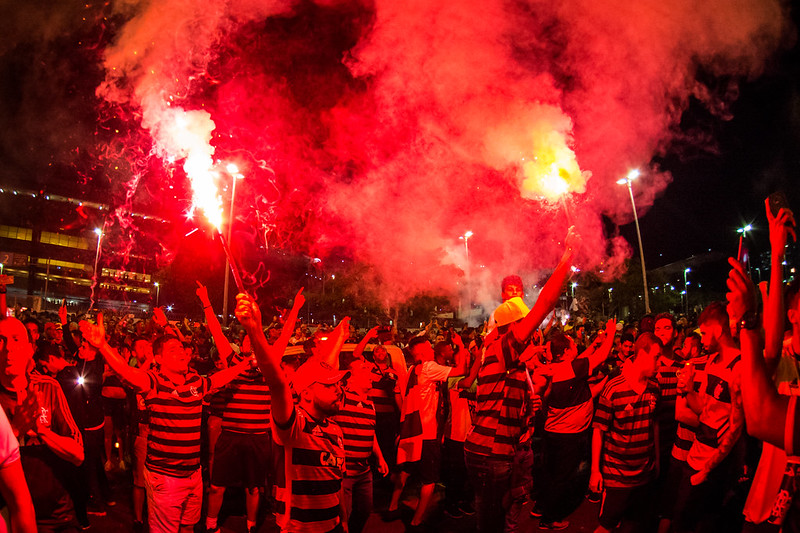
(667, 425)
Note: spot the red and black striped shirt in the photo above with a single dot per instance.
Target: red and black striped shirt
(357, 420)
(173, 444)
(628, 421)
(309, 474)
(501, 401)
(247, 403)
(685, 435)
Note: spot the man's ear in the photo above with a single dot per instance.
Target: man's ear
(794, 316)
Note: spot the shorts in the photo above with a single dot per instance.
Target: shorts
(172, 501)
(241, 460)
(115, 408)
(429, 465)
(625, 503)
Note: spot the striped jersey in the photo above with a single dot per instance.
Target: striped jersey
(385, 387)
(502, 398)
(628, 421)
(684, 438)
(667, 378)
(722, 383)
(247, 403)
(356, 418)
(569, 405)
(173, 444)
(309, 474)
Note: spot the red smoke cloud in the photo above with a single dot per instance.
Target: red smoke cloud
(392, 128)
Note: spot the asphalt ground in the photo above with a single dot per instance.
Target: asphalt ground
(119, 518)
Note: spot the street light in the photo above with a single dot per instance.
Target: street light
(158, 291)
(233, 170)
(686, 289)
(465, 238)
(95, 277)
(632, 175)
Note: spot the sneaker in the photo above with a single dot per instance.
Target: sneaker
(555, 526)
(96, 511)
(453, 511)
(212, 529)
(466, 508)
(594, 497)
(536, 512)
(111, 503)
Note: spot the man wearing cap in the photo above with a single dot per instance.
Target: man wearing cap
(311, 456)
(503, 395)
(510, 287)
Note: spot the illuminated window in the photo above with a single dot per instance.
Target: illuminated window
(69, 241)
(63, 264)
(11, 232)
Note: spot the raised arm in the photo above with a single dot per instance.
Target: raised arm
(780, 227)
(461, 356)
(161, 319)
(220, 340)
(269, 356)
(96, 335)
(599, 355)
(358, 353)
(226, 375)
(764, 409)
(551, 290)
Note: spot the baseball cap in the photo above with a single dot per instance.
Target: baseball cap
(510, 311)
(317, 371)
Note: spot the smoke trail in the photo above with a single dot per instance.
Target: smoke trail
(390, 128)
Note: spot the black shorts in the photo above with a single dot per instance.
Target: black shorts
(115, 408)
(241, 460)
(429, 465)
(625, 503)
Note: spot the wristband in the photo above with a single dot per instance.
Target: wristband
(749, 321)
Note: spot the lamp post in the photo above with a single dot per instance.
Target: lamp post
(632, 175)
(686, 289)
(96, 277)
(465, 238)
(233, 170)
(158, 291)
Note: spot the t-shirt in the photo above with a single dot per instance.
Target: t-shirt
(173, 444)
(722, 380)
(628, 421)
(384, 389)
(356, 418)
(46, 473)
(570, 406)
(310, 469)
(667, 378)
(423, 394)
(685, 434)
(9, 447)
(246, 403)
(460, 420)
(502, 399)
